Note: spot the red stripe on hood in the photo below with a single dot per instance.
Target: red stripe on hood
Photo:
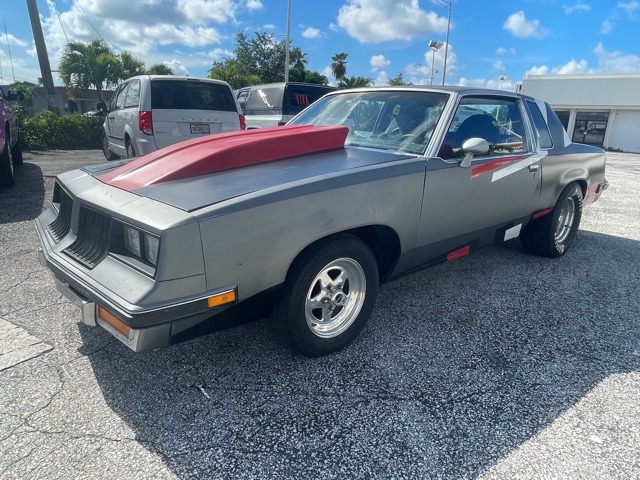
(225, 151)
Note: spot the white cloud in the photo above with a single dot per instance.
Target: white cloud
(202, 11)
(11, 40)
(518, 25)
(505, 51)
(326, 71)
(606, 27)
(541, 70)
(254, 5)
(615, 61)
(579, 7)
(333, 27)
(375, 21)
(381, 79)
(630, 8)
(422, 75)
(177, 67)
(484, 83)
(569, 68)
(269, 26)
(378, 62)
(499, 66)
(311, 32)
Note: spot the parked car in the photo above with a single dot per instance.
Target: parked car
(275, 104)
(361, 187)
(149, 112)
(10, 148)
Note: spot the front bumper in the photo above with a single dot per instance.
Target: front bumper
(129, 325)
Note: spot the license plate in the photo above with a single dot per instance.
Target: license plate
(200, 128)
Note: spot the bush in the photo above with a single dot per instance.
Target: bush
(47, 130)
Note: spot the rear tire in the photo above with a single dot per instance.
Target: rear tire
(328, 296)
(7, 174)
(106, 151)
(131, 153)
(553, 234)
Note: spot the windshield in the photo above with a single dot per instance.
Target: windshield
(388, 120)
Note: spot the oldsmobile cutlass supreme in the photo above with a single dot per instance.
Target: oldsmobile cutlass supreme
(362, 186)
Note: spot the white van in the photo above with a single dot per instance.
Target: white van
(274, 104)
(148, 112)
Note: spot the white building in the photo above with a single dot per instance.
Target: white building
(596, 109)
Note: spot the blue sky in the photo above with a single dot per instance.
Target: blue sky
(488, 39)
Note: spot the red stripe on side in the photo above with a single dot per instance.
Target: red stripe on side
(215, 153)
(493, 164)
(542, 213)
(461, 252)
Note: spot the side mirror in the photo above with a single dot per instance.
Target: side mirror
(101, 106)
(471, 147)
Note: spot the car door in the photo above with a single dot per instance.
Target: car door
(116, 120)
(466, 207)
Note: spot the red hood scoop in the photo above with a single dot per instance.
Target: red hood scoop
(216, 153)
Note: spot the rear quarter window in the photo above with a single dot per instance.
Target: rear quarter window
(544, 136)
(189, 95)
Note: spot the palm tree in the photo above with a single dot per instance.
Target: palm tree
(339, 65)
(159, 69)
(85, 64)
(355, 82)
(131, 66)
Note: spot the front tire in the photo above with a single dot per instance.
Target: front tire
(17, 153)
(553, 234)
(106, 151)
(328, 296)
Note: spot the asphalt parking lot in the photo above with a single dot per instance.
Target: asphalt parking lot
(499, 365)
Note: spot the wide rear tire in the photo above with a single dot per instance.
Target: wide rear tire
(328, 296)
(553, 234)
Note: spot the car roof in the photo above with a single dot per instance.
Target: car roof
(182, 78)
(435, 88)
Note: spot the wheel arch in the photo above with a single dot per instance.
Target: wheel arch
(382, 240)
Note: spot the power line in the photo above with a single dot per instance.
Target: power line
(87, 19)
(55, 5)
(9, 48)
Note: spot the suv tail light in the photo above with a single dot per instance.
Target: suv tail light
(145, 122)
(243, 122)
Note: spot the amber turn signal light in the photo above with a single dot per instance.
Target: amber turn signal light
(221, 299)
(115, 322)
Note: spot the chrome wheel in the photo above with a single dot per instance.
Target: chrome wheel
(335, 298)
(565, 220)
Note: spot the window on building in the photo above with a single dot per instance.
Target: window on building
(590, 127)
(563, 115)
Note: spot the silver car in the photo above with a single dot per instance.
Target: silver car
(361, 187)
(149, 112)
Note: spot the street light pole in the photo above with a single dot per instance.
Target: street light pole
(288, 42)
(434, 46)
(446, 4)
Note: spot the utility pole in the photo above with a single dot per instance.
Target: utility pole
(288, 43)
(41, 49)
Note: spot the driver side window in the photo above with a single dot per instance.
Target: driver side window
(496, 120)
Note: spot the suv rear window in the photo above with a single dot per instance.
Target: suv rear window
(191, 95)
(275, 100)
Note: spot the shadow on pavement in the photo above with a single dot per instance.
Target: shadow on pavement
(458, 366)
(23, 201)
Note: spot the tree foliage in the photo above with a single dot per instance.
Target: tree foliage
(339, 66)
(159, 69)
(89, 64)
(261, 59)
(130, 66)
(397, 81)
(355, 82)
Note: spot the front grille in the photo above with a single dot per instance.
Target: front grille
(60, 226)
(92, 243)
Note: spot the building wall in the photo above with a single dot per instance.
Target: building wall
(616, 95)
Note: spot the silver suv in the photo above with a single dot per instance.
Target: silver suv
(149, 112)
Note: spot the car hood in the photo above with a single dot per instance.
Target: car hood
(202, 172)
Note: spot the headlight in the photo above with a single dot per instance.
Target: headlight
(132, 240)
(141, 244)
(151, 245)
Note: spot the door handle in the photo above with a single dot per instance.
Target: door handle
(534, 168)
